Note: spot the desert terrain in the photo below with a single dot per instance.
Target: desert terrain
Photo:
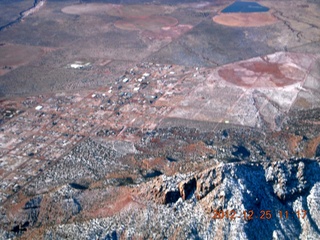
(159, 119)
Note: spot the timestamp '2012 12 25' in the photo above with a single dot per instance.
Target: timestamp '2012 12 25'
(260, 215)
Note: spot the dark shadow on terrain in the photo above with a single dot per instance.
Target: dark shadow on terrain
(260, 200)
(152, 174)
(124, 181)
(78, 186)
(311, 220)
(265, 199)
(241, 151)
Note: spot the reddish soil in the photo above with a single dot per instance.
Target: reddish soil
(245, 19)
(119, 200)
(311, 147)
(154, 163)
(261, 74)
(294, 142)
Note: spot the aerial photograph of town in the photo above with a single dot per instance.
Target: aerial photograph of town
(160, 119)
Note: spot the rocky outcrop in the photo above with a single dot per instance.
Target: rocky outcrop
(164, 190)
(187, 187)
(274, 200)
(240, 200)
(207, 181)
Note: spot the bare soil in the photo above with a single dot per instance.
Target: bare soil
(245, 19)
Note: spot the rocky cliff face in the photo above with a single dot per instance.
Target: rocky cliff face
(275, 200)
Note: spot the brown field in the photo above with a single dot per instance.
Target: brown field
(14, 55)
(245, 19)
(263, 73)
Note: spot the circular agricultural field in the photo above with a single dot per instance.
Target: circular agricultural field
(245, 19)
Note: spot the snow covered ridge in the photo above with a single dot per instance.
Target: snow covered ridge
(230, 200)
